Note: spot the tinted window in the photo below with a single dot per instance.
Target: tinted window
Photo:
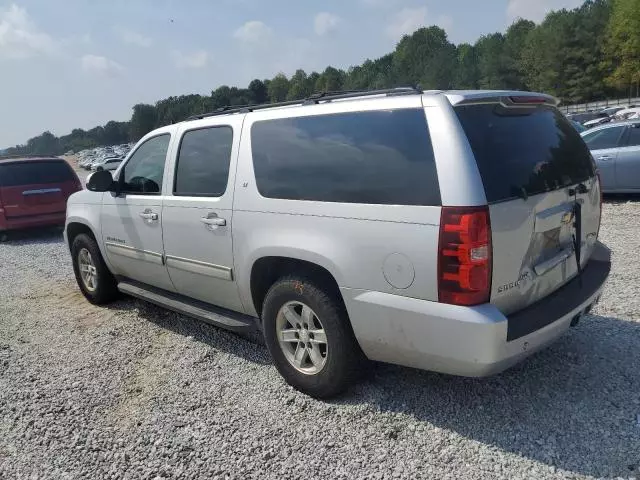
(633, 136)
(203, 162)
(144, 171)
(380, 157)
(524, 151)
(606, 138)
(35, 172)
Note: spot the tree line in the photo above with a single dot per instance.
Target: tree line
(580, 55)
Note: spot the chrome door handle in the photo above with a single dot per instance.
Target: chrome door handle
(149, 215)
(604, 157)
(214, 221)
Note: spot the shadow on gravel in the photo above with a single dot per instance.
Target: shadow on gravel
(621, 198)
(574, 406)
(249, 345)
(32, 236)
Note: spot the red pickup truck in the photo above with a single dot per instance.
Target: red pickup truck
(34, 191)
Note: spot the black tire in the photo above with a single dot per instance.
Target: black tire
(344, 357)
(106, 289)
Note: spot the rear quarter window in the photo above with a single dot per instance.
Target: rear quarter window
(377, 157)
(524, 151)
(35, 172)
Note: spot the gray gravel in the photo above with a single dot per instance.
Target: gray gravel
(132, 391)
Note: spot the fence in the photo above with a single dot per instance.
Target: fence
(584, 107)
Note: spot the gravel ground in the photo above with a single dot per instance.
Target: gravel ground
(132, 391)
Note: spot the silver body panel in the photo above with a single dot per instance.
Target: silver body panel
(526, 268)
(384, 258)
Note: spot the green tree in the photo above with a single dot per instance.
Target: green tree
(221, 97)
(492, 62)
(258, 91)
(467, 74)
(299, 86)
(44, 144)
(515, 42)
(426, 57)
(143, 121)
(622, 44)
(278, 88)
(331, 80)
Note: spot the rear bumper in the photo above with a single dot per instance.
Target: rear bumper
(468, 341)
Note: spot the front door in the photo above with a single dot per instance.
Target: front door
(197, 215)
(132, 219)
(628, 161)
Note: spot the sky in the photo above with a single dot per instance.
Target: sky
(68, 64)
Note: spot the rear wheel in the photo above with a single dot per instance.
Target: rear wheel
(93, 277)
(308, 335)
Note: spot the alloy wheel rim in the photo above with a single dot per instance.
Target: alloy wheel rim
(88, 271)
(302, 337)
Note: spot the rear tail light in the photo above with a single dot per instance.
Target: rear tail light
(464, 256)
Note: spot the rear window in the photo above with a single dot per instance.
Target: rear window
(524, 151)
(34, 172)
(378, 157)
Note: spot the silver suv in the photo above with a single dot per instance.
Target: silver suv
(448, 231)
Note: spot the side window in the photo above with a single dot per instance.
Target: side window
(633, 136)
(378, 157)
(203, 162)
(144, 171)
(606, 138)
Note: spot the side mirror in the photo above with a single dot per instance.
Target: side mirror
(100, 181)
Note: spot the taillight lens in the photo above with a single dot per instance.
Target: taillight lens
(464, 256)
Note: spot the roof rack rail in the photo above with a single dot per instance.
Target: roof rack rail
(311, 100)
(229, 109)
(328, 96)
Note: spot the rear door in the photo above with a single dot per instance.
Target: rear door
(197, 218)
(628, 161)
(604, 144)
(36, 187)
(535, 169)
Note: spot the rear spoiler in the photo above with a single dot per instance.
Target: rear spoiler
(508, 98)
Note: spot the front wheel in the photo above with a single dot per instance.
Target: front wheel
(308, 335)
(93, 277)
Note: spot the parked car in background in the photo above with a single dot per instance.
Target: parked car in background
(289, 215)
(34, 191)
(611, 111)
(586, 116)
(628, 114)
(578, 126)
(597, 121)
(107, 163)
(616, 150)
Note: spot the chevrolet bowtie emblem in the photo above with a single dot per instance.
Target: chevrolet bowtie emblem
(567, 217)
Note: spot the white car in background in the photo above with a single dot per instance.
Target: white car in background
(108, 163)
(628, 114)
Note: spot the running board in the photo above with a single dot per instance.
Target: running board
(193, 308)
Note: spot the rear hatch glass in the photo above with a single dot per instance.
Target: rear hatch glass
(36, 187)
(531, 160)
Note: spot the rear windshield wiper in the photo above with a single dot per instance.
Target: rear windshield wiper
(519, 192)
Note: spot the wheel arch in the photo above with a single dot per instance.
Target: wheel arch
(266, 270)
